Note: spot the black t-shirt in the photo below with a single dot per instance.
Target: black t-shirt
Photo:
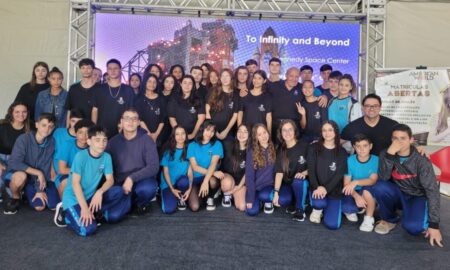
(202, 93)
(28, 95)
(185, 113)
(320, 87)
(327, 169)
(8, 136)
(111, 102)
(151, 111)
(229, 159)
(297, 161)
(255, 108)
(81, 98)
(223, 117)
(380, 134)
(315, 117)
(284, 100)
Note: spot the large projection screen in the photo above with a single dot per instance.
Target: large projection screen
(226, 42)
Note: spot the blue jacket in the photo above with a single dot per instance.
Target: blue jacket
(46, 103)
(136, 158)
(28, 153)
(257, 179)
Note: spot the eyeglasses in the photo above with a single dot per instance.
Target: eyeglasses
(372, 107)
(130, 119)
(287, 130)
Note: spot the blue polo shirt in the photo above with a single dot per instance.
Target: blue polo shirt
(176, 166)
(361, 170)
(204, 153)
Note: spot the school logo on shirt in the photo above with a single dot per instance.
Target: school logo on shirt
(101, 169)
(157, 111)
(261, 108)
(192, 110)
(341, 107)
(120, 101)
(301, 160)
(210, 153)
(317, 115)
(242, 165)
(231, 105)
(333, 166)
(296, 93)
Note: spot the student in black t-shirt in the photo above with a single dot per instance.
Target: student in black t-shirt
(97, 75)
(291, 172)
(256, 107)
(241, 80)
(135, 82)
(16, 123)
(222, 106)
(151, 109)
(154, 69)
(327, 165)
(81, 94)
(333, 85)
(252, 66)
(186, 109)
(200, 89)
(325, 71)
(375, 126)
(233, 166)
(206, 68)
(274, 71)
(212, 81)
(111, 99)
(28, 92)
(312, 115)
(177, 71)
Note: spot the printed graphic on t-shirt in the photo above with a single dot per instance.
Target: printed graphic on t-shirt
(261, 108)
(101, 169)
(242, 165)
(301, 160)
(120, 101)
(317, 115)
(333, 166)
(231, 105)
(192, 110)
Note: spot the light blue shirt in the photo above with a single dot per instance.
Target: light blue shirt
(91, 169)
(176, 166)
(203, 154)
(338, 111)
(361, 170)
(63, 143)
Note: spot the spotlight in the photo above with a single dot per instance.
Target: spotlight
(149, 10)
(179, 11)
(249, 14)
(132, 10)
(260, 16)
(280, 15)
(209, 12)
(199, 14)
(324, 19)
(229, 13)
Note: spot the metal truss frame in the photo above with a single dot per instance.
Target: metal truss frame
(371, 15)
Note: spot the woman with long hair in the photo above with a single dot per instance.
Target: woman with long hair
(29, 91)
(233, 166)
(53, 99)
(170, 88)
(241, 80)
(259, 171)
(177, 71)
(16, 123)
(186, 109)
(222, 107)
(204, 155)
(327, 165)
(291, 172)
(151, 108)
(256, 106)
(176, 175)
(135, 82)
(212, 80)
(206, 68)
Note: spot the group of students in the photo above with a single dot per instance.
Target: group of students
(258, 140)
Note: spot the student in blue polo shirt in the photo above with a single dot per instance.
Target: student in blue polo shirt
(65, 158)
(176, 175)
(204, 155)
(84, 202)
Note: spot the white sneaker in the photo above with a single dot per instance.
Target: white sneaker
(210, 205)
(181, 205)
(268, 208)
(226, 201)
(315, 216)
(59, 219)
(352, 217)
(367, 224)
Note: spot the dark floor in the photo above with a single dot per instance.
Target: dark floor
(223, 239)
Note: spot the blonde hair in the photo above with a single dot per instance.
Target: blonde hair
(258, 155)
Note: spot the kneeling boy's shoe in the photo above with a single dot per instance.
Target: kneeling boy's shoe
(290, 209)
(268, 208)
(210, 204)
(384, 227)
(367, 224)
(59, 216)
(315, 216)
(142, 210)
(226, 201)
(181, 205)
(11, 206)
(352, 217)
(299, 215)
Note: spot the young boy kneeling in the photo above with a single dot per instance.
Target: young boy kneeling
(84, 205)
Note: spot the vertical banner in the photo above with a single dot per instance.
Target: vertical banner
(420, 99)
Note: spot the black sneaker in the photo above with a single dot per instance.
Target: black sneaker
(226, 201)
(181, 205)
(11, 206)
(59, 216)
(99, 218)
(299, 215)
(290, 209)
(142, 210)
